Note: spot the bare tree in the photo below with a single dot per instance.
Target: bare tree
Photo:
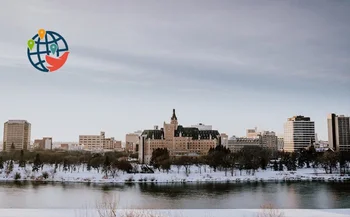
(269, 211)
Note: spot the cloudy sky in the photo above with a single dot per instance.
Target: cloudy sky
(231, 64)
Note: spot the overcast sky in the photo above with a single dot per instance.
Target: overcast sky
(232, 64)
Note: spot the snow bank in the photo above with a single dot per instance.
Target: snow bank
(174, 176)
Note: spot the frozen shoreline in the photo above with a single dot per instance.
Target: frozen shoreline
(195, 176)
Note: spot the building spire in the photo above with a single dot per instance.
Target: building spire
(174, 115)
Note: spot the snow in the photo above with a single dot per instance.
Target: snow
(195, 175)
(177, 213)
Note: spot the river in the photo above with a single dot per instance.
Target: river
(298, 195)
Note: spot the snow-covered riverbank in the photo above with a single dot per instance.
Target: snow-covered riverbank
(174, 176)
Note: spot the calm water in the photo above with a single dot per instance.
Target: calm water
(307, 195)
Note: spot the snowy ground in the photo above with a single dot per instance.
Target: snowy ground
(195, 175)
(179, 213)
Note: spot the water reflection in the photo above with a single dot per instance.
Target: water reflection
(309, 195)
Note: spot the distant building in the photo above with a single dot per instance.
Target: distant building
(269, 140)
(177, 139)
(92, 142)
(235, 144)
(43, 144)
(280, 143)
(132, 141)
(64, 146)
(202, 127)
(299, 133)
(252, 133)
(224, 139)
(16, 135)
(339, 132)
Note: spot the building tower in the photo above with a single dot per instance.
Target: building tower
(16, 135)
(298, 132)
(339, 132)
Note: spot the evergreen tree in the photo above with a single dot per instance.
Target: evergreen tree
(13, 147)
(37, 163)
(1, 163)
(22, 162)
(10, 166)
(280, 168)
(106, 165)
(275, 166)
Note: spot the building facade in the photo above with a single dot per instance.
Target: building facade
(269, 140)
(339, 132)
(132, 142)
(43, 144)
(177, 139)
(92, 142)
(224, 139)
(252, 133)
(280, 143)
(299, 133)
(16, 135)
(235, 144)
(201, 126)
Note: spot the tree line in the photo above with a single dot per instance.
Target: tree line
(251, 159)
(109, 163)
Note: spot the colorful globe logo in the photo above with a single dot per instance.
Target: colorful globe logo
(47, 51)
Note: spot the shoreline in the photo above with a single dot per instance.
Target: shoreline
(210, 181)
(195, 176)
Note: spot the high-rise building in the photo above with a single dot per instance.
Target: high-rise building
(16, 135)
(299, 133)
(339, 132)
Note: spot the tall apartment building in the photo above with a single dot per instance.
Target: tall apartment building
(299, 133)
(17, 134)
(92, 142)
(339, 132)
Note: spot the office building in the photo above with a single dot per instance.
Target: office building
(177, 139)
(299, 133)
(339, 132)
(16, 135)
(252, 133)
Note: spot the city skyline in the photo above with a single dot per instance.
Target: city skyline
(234, 65)
(199, 124)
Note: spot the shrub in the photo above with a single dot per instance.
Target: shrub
(17, 176)
(45, 175)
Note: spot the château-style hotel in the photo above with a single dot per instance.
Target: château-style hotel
(177, 139)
